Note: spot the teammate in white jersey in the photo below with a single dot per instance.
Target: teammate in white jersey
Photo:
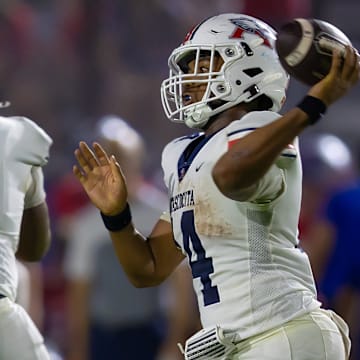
(24, 230)
(235, 193)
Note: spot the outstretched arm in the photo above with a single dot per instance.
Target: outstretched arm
(146, 261)
(238, 170)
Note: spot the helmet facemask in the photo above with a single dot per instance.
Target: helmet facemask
(216, 89)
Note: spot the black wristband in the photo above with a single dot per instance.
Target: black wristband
(119, 221)
(313, 107)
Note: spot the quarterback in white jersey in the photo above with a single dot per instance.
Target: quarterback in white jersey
(247, 268)
(234, 196)
(24, 229)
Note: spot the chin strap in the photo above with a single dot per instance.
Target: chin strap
(197, 116)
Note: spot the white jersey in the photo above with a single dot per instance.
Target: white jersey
(23, 145)
(248, 272)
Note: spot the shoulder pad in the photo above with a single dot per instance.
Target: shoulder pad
(33, 142)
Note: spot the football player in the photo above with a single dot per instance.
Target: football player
(24, 230)
(234, 196)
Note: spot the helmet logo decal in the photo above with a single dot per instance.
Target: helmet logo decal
(249, 26)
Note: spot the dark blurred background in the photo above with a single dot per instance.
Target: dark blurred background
(66, 63)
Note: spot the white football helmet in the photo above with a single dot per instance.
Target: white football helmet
(250, 68)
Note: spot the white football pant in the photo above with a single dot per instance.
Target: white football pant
(19, 337)
(320, 335)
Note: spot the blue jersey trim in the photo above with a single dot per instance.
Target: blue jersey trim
(241, 130)
(186, 159)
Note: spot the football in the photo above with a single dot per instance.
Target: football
(305, 48)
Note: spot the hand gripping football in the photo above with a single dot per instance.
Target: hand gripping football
(305, 48)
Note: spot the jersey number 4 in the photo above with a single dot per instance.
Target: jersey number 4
(202, 267)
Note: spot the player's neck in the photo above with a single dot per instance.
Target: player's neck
(224, 119)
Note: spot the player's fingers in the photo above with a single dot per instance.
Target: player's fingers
(101, 154)
(335, 62)
(82, 161)
(115, 168)
(88, 155)
(80, 176)
(355, 76)
(83, 157)
(349, 63)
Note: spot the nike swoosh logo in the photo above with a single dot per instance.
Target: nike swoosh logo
(199, 166)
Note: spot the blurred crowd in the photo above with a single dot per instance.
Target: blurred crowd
(65, 63)
(68, 63)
